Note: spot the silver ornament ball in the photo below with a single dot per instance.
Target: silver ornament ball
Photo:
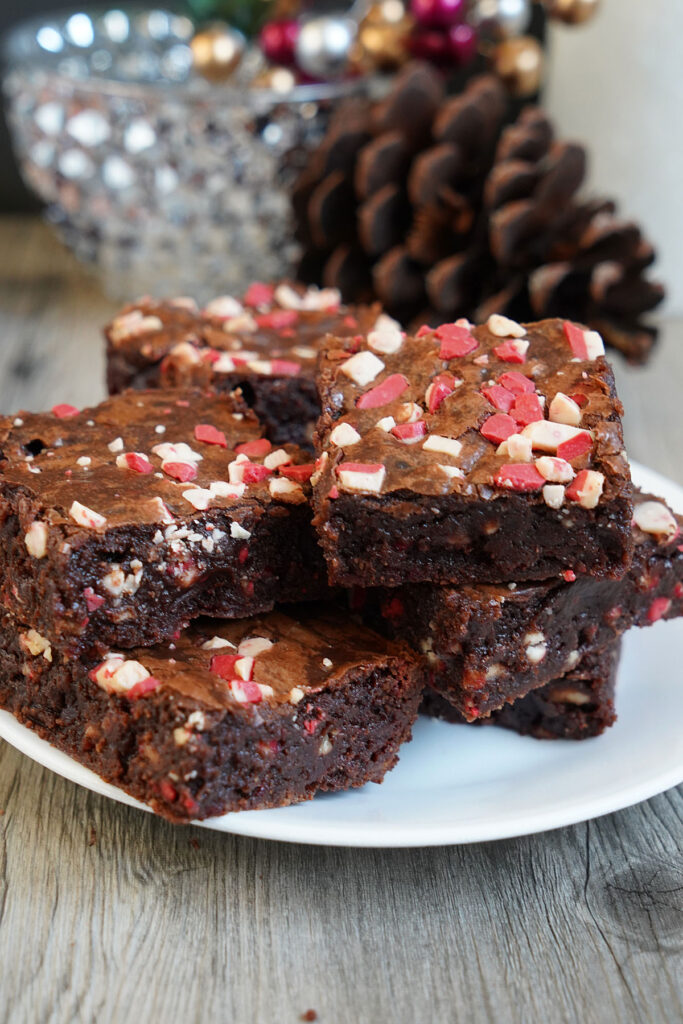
(323, 46)
(496, 20)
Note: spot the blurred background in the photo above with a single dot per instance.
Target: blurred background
(615, 84)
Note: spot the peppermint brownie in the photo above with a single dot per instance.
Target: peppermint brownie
(231, 715)
(489, 644)
(471, 454)
(576, 706)
(122, 522)
(267, 344)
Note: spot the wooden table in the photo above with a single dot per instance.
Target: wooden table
(108, 914)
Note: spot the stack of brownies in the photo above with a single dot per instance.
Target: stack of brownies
(468, 526)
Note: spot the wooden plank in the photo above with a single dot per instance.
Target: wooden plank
(110, 915)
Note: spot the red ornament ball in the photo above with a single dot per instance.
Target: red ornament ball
(462, 41)
(277, 41)
(430, 44)
(438, 13)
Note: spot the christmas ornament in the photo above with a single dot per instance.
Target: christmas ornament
(432, 205)
(496, 20)
(277, 40)
(519, 63)
(573, 12)
(438, 13)
(462, 43)
(277, 79)
(216, 51)
(323, 46)
(383, 37)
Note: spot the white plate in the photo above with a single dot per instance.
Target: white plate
(460, 785)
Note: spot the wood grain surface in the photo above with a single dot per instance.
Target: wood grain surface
(111, 915)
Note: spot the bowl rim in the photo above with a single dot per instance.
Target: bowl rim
(20, 51)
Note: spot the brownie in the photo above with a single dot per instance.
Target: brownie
(576, 706)
(120, 523)
(234, 715)
(489, 644)
(471, 454)
(267, 344)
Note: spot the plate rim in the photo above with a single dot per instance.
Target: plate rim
(378, 834)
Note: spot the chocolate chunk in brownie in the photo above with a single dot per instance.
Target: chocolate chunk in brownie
(229, 716)
(122, 522)
(488, 644)
(576, 706)
(471, 454)
(267, 344)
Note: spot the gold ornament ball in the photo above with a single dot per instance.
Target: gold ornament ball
(519, 62)
(277, 79)
(572, 12)
(383, 33)
(216, 51)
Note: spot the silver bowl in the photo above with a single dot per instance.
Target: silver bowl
(163, 182)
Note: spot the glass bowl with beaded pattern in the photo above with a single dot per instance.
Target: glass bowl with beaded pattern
(162, 181)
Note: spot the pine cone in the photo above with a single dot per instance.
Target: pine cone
(440, 209)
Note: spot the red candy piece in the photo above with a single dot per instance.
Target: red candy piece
(285, 367)
(210, 435)
(409, 431)
(499, 397)
(252, 473)
(498, 428)
(168, 791)
(298, 473)
(455, 341)
(93, 601)
(143, 687)
(254, 448)
(138, 463)
(182, 471)
(333, 492)
(576, 339)
(520, 476)
(249, 693)
(310, 726)
(424, 330)
(441, 387)
(569, 575)
(509, 353)
(63, 411)
(516, 382)
(278, 318)
(393, 609)
(258, 294)
(223, 665)
(658, 609)
(384, 393)
(581, 444)
(579, 398)
(527, 409)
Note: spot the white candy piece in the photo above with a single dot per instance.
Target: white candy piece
(36, 644)
(362, 480)
(215, 643)
(553, 495)
(132, 324)
(244, 667)
(312, 300)
(116, 675)
(452, 472)
(222, 489)
(344, 435)
(556, 471)
(238, 532)
(650, 517)
(362, 367)
(223, 307)
(116, 445)
(85, 516)
(198, 497)
(185, 354)
(564, 409)
(277, 458)
(179, 452)
(35, 539)
(535, 647)
(386, 336)
(263, 366)
(546, 436)
(160, 510)
(288, 489)
(244, 324)
(387, 423)
(503, 327)
(591, 489)
(448, 445)
(254, 645)
(594, 344)
(409, 412)
(518, 448)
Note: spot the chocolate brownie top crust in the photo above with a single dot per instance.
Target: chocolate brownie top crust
(276, 659)
(145, 457)
(274, 330)
(475, 411)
